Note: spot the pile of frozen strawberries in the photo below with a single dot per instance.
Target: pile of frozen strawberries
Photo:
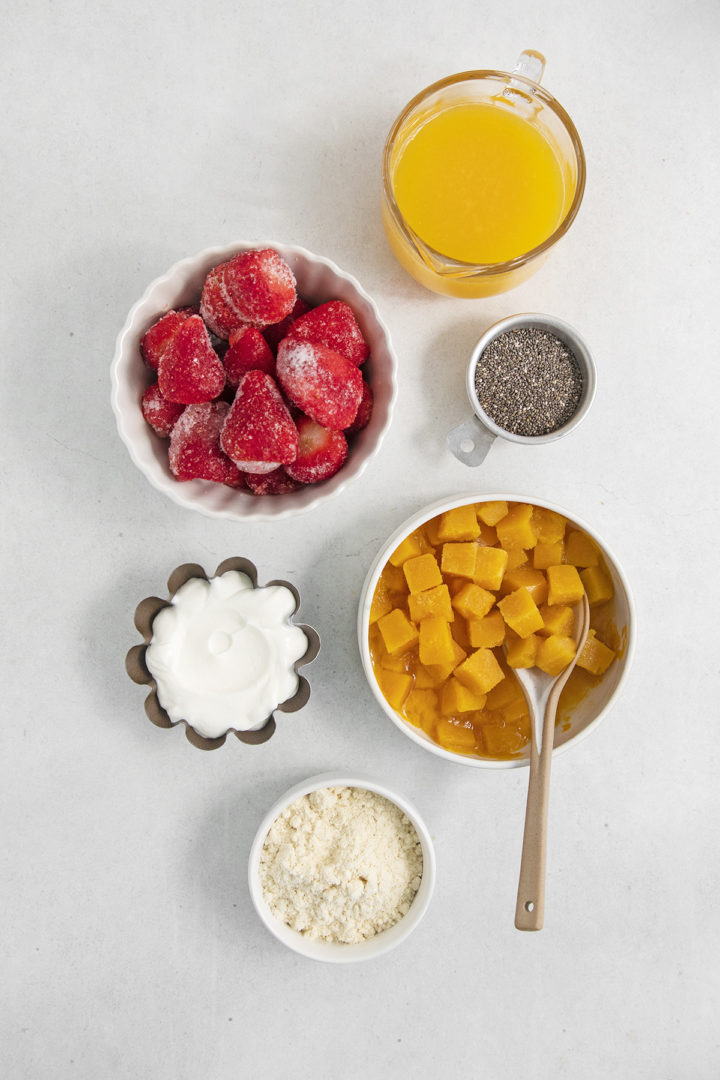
(256, 389)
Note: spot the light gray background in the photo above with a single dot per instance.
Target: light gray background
(135, 134)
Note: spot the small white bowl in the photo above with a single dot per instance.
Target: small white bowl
(323, 950)
(587, 714)
(318, 280)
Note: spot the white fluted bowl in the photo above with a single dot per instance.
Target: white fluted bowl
(318, 280)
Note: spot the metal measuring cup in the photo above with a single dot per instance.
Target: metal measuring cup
(471, 440)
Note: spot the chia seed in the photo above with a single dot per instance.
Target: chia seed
(528, 381)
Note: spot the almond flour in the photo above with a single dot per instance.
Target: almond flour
(341, 865)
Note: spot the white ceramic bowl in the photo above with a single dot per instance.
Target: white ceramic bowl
(587, 713)
(318, 280)
(323, 950)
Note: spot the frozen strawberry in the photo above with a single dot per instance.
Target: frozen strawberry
(255, 287)
(154, 342)
(259, 433)
(248, 351)
(276, 482)
(260, 286)
(320, 381)
(320, 454)
(365, 408)
(195, 452)
(275, 333)
(333, 324)
(216, 308)
(190, 370)
(234, 477)
(160, 413)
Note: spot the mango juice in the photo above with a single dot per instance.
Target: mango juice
(479, 184)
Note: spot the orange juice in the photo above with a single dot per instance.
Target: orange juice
(479, 183)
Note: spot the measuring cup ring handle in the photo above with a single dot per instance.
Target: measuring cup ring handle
(470, 441)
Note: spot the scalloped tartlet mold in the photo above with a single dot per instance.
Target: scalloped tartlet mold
(138, 670)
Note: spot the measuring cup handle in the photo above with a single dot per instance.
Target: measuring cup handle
(470, 442)
(531, 64)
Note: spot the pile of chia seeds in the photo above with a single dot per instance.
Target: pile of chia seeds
(528, 382)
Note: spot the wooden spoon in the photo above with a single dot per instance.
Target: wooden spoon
(542, 693)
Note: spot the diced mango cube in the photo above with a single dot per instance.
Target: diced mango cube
(375, 642)
(421, 709)
(459, 559)
(595, 656)
(549, 526)
(517, 712)
(395, 686)
(460, 523)
(422, 572)
(458, 738)
(565, 586)
(581, 550)
(429, 678)
(490, 566)
(521, 613)
(431, 602)
(480, 672)
(515, 530)
(558, 620)
(598, 585)
(525, 576)
(381, 602)
(488, 535)
(431, 529)
(502, 741)
(522, 652)
(456, 698)
(401, 662)
(455, 584)
(460, 631)
(435, 642)
(398, 633)
(488, 632)
(504, 694)
(472, 601)
(410, 547)
(441, 672)
(548, 553)
(555, 653)
(395, 580)
(516, 557)
(491, 512)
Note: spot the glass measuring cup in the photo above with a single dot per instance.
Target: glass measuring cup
(519, 99)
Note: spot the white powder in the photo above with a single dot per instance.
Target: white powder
(341, 864)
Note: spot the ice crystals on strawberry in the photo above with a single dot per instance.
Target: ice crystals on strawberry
(195, 452)
(248, 351)
(333, 324)
(259, 433)
(321, 382)
(190, 370)
(155, 340)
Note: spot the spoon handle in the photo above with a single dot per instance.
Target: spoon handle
(530, 907)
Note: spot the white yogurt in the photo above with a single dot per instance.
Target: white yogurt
(222, 653)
